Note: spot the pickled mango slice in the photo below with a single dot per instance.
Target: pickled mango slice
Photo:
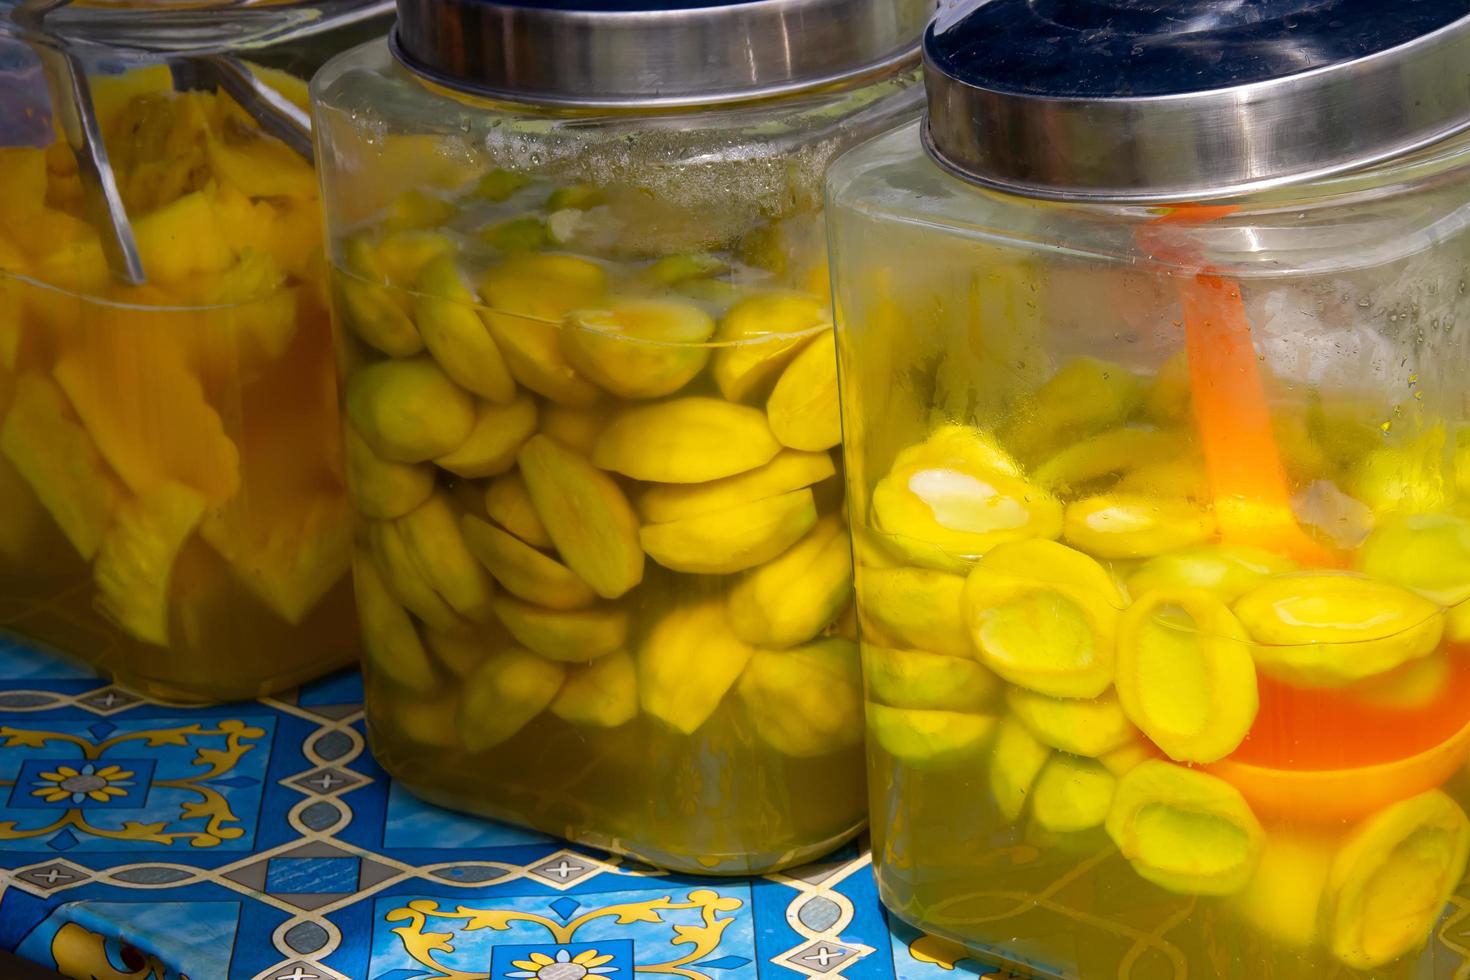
(1053, 638)
(915, 607)
(380, 488)
(418, 209)
(528, 296)
(369, 307)
(585, 514)
(1181, 478)
(1428, 553)
(1185, 830)
(134, 566)
(1051, 561)
(574, 636)
(761, 334)
(803, 409)
(460, 653)
(961, 494)
(1015, 762)
(790, 470)
(687, 663)
(522, 234)
(56, 458)
(501, 697)
(491, 447)
(1390, 880)
(147, 412)
(916, 679)
(408, 583)
(508, 503)
(929, 740)
(603, 694)
(500, 184)
(1408, 478)
(1225, 572)
(409, 411)
(402, 255)
(1168, 397)
(575, 428)
(1084, 396)
(1326, 629)
(791, 598)
(805, 702)
(454, 333)
(523, 571)
(1072, 794)
(432, 535)
(427, 721)
(639, 348)
(732, 540)
(1089, 727)
(673, 269)
(1116, 451)
(1284, 897)
(1185, 675)
(686, 440)
(1134, 526)
(389, 640)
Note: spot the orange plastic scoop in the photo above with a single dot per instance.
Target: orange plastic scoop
(1247, 479)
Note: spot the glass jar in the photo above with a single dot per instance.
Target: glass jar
(172, 507)
(592, 431)
(1158, 468)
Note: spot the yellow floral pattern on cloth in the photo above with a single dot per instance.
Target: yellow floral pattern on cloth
(562, 966)
(80, 785)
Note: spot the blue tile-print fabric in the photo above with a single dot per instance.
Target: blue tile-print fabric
(259, 841)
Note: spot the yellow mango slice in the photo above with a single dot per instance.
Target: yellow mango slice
(418, 209)
(147, 412)
(491, 447)
(1428, 553)
(390, 642)
(25, 527)
(759, 336)
(805, 702)
(56, 458)
(685, 440)
(408, 583)
(1117, 451)
(639, 348)
(790, 470)
(380, 488)
(1185, 675)
(528, 296)
(432, 535)
(1015, 762)
(803, 409)
(956, 496)
(408, 410)
(523, 571)
(687, 663)
(501, 697)
(1284, 897)
(1326, 629)
(790, 598)
(134, 566)
(1131, 526)
(732, 540)
(500, 184)
(574, 636)
(603, 694)
(454, 333)
(1051, 637)
(427, 721)
(1168, 398)
(23, 174)
(182, 240)
(460, 653)
(508, 503)
(368, 307)
(916, 607)
(929, 740)
(1051, 561)
(586, 515)
(1072, 794)
(1390, 881)
(1089, 727)
(1407, 478)
(575, 428)
(1185, 830)
(916, 679)
(1084, 396)
(1225, 572)
(1180, 478)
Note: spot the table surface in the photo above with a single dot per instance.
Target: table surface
(260, 841)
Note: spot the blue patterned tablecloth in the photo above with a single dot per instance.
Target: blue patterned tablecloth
(260, 841)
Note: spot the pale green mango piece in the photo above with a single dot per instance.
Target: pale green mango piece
(914, 607)
(504, 693)
(805, 702)
(380, 488)
(930, 740)
(523, 571)
(1015, 762)
(406, 581)
(409, 411)
(687, 663)
(1089, 727)
(528, 296)
(444, 310)
(603, 694)
(437, 547)
(1072, 795)
(389, 641)
(491, 447)
(369, 307)
(917, 679)
(574, 636)
(508, 503)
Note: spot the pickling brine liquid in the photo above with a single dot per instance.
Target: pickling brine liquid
(1123, 724)
(602, 568)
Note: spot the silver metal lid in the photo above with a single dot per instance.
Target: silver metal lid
(1170, 100)
(616, 53)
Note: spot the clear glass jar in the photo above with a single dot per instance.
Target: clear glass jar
(172, 507)
(590, 395)
(1162, 536)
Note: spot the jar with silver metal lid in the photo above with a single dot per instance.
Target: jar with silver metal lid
(172, 507)
(1158, 463)
(591, 410)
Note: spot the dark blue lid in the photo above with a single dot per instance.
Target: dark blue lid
(1166, 99)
